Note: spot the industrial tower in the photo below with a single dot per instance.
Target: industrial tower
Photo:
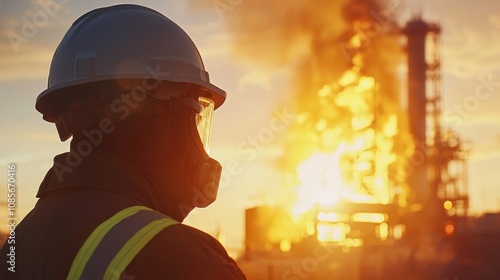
(441, 179)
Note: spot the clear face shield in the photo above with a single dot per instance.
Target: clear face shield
(204, 121)
(208, 170)
(203, 106)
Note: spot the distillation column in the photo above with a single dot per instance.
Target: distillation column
(416, 32)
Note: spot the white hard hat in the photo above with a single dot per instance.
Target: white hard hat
(121, 42)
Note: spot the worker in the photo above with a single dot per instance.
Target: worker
(130, 87)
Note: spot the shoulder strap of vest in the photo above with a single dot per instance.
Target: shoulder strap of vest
(113, 244)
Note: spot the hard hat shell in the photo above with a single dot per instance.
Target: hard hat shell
(122, 42)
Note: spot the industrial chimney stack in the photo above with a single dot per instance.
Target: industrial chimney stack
(416, 32)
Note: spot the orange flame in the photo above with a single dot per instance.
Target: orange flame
(350, 135)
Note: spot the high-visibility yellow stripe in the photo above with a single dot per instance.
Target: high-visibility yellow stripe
(133, 246)
(95, 238)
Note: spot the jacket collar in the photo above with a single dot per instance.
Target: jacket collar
(99, 170)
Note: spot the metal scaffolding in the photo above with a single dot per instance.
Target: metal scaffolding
(447, 153)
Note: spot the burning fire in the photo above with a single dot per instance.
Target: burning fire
(349, 135)
(357, 169)
(350, 126)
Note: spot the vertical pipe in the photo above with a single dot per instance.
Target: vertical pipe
(416, 31)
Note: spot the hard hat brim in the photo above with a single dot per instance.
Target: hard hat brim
(54, 97)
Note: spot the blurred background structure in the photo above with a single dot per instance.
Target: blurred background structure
(382, 191)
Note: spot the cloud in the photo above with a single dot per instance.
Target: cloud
(29, 33)
(260, 78)
(32, 64)
(26, 157)
(494, 20)
(483, 141)
(483, 120)
(37, 136)
(470, 51)
(22, 57)
(485, 155)
(216, 45)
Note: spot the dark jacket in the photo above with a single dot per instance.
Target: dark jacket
(49, 237)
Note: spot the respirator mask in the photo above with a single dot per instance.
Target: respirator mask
(190, 167)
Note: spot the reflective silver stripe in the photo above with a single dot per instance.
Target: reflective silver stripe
(131, 233)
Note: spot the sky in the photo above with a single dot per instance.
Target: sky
(257, 99)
